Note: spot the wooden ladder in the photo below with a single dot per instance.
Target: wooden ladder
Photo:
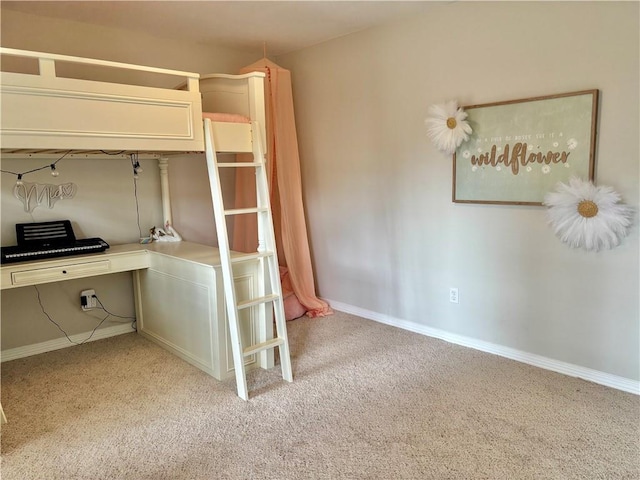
(270, 290)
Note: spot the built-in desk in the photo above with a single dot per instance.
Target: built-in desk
(119, 258)
(178, 293)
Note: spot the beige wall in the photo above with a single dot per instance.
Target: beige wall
(53, 35)
(105, 203)
(385, 235)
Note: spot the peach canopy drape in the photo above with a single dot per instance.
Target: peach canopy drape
(283, 169)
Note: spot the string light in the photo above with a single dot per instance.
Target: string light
(137, 169)
(51, 166)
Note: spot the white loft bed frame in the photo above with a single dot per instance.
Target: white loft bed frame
(46, 114)
(46, 111)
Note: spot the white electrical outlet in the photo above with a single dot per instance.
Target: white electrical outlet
(88, 300)
(453, 295)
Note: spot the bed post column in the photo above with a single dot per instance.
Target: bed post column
(163, 164)
(257, 111)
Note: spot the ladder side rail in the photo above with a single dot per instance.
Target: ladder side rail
(259, 160)
(225, 257)
(266, 231)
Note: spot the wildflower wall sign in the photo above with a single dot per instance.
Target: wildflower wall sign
(520, 149)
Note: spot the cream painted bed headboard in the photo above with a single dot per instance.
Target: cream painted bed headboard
(237, 94)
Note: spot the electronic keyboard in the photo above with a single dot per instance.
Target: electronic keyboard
(37, 241)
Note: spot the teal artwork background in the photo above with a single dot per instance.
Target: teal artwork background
(561, 125)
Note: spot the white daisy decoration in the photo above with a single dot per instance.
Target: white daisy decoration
(447, 127)
(586, 216)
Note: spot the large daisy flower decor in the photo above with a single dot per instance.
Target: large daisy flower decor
(447, 126)
(586, 216)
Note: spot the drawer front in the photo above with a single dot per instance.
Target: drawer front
(52, 274)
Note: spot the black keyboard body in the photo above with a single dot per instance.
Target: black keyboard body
(38, 241)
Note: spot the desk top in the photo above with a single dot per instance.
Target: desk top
(118, 258)
(189, 251)
(195, 252)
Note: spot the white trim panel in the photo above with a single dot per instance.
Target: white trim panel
(40, 112)
(232, 137)
(37, 118)
(595, 376)
(59, 343)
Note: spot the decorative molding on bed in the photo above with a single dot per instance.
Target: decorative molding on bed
(47, 111)
(596, 376)
(59, 343)
(52, 117)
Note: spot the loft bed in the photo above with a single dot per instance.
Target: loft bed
(59, 102)
(56, 104)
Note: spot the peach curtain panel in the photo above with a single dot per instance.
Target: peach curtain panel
(283, 169)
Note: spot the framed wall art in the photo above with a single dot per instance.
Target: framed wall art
(520, 149)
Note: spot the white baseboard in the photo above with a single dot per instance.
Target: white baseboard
(602, 378)
(58, 343)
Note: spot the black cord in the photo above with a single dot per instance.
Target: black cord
(102, 307)
(135, 164)
(135, 194)
(60, 328)
(36, 169)
(113, 153)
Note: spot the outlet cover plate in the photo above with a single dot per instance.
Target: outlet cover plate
(453, 295)
(90, 301)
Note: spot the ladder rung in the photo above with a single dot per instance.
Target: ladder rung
(257, 301)
(259, 347)
(240, 211)
(240, 164)
(251, 256)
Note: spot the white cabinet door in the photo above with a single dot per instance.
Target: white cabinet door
(180, 305)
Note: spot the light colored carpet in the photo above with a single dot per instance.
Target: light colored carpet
(369, 401)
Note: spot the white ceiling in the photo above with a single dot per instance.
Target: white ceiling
(283, 26)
